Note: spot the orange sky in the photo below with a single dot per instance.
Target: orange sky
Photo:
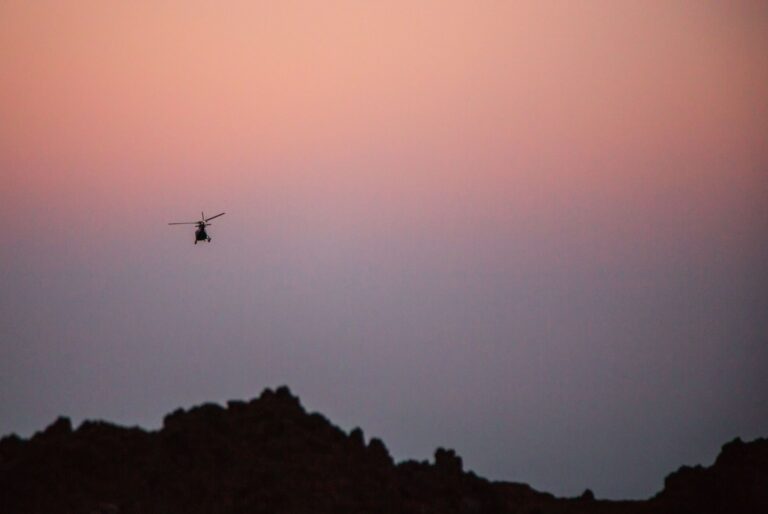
(157, 86)
(468, 113)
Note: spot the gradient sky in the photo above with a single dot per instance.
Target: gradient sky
(535, 232)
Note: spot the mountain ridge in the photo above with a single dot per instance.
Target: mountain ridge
(270, 455)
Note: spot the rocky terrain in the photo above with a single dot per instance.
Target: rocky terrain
(270, 456)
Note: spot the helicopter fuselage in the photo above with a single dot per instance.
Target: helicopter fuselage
(201, 234)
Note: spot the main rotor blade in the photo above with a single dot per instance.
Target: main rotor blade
(209, 219)
(185, 223)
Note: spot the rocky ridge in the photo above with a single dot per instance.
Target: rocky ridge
(269, 455)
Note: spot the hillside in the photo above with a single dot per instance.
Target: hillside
(269, 455)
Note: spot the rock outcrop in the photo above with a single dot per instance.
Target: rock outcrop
(270, 456)
(736, 482)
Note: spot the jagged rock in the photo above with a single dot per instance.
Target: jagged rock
(736, 483)
(379, 453)
(61, 427)
(269, 455)
(448, 461)
(357, 437)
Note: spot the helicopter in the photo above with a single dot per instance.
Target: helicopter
(200, 233)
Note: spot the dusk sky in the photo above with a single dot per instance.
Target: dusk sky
(534, 232)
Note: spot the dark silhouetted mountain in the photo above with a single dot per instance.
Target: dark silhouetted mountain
(270, 456)
(737, 482)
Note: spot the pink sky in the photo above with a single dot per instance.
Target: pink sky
(524, 90)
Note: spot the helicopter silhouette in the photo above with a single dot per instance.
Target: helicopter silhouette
(200, 233)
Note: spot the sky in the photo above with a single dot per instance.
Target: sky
(534, 232)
